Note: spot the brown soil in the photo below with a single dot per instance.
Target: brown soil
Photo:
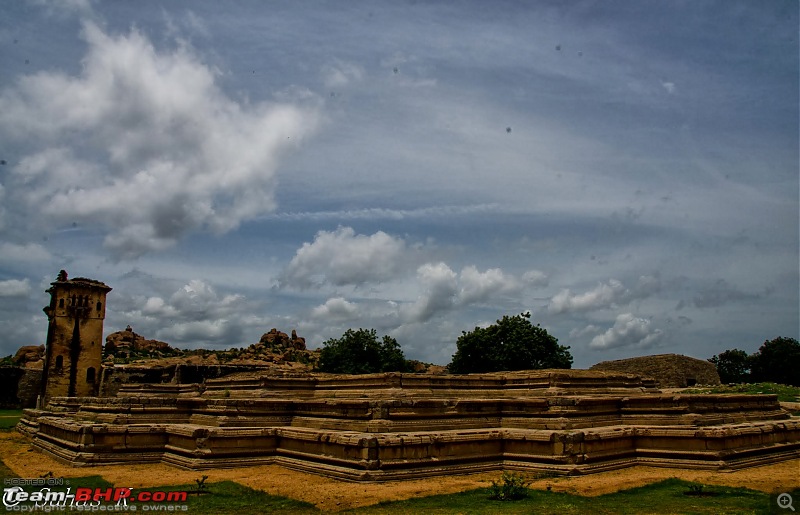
(332, 495)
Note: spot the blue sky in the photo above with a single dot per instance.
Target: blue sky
(627, 171)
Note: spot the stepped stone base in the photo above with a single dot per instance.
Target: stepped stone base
(396, 426)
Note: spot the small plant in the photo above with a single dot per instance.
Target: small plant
(511, 487)
(201, 484)
(696, 489)
(226, 393)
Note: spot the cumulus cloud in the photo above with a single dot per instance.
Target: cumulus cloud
(440, 286)
(335, 308)
(443, 289)
(604, 295)
(144, 144)
(478, 286)
(194, 314)
(628, 331)
(15, 288)
(342, 257)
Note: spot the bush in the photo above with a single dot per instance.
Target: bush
(511, 487)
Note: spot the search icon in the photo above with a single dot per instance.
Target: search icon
(785, 501)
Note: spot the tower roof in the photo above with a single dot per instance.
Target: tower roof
(79, 281)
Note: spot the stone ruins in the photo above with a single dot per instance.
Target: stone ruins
(389, 426)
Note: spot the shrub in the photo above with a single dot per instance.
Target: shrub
(511, 487)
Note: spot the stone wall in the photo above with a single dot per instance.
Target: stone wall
(402, 426)
(670, 370)
(114, 377)
(29, 387)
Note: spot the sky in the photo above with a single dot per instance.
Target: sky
(626, 171)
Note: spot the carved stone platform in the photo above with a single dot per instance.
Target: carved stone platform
(395, 426)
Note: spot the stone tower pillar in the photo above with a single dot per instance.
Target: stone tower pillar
(74, 349)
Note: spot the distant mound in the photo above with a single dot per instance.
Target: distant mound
(670, 370)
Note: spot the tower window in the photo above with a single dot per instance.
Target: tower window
(99, 306)
(61, 303)
(59, 363)
(90, 375)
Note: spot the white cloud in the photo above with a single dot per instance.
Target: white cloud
(440, 285)
(603, 296)
(149, 147)
(478, 286)
(342, 257)
(444, 290)
(535, 278)
(628, 331)
(335, 308)
(15, 288)
(195, 314)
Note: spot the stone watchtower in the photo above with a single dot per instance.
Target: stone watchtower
(74, 349)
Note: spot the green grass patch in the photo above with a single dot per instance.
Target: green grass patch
(669, 496)
(673, 496)
(784, 392)
(230, 497)
(216, 498)
(9, 418)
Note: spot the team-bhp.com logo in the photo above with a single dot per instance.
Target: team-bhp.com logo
(50, 499)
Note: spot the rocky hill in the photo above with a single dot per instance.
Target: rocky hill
(275, 348)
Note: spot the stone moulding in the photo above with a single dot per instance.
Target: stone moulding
(408, 426)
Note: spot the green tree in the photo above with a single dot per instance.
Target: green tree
(513, 343)
(733, 366)
(777, 361)
(360, 352)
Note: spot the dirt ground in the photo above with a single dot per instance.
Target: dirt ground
(332, 495)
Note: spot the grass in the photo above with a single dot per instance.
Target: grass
(669, 496)
(673, 496)
(784, 392)
(9, 418)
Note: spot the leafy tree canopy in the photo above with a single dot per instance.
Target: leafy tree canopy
(777, 361)
(733, 366)
(360, 352)
(513, 343)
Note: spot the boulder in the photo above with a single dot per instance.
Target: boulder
(30, 356)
